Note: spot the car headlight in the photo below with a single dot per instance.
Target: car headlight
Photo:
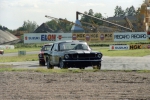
(99, 55)
(66, 56)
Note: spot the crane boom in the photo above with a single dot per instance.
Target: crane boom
(77, 13)
(55, 19)
(66, 21)
(129, 23)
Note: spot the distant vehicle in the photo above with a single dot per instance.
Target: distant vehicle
(73, 54)
(1, 52)
(44, 51)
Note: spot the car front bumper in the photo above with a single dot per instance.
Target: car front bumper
(97, 60)
(83, 63)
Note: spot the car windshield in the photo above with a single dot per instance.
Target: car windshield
(74, 46)
(46, 48)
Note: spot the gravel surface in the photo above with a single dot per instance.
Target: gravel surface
(101, 85)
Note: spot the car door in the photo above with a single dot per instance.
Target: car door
(47, 52)
(54, 55)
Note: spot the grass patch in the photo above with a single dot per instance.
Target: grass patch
(7, 68)
(104, 50)
(129, 53)
(143, 71)
(64, 70)
(31, 57)
(21, 49)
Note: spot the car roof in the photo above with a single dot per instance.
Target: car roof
(49, 44)
(69, 41)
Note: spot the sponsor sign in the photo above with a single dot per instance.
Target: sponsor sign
(93, 37)
(136, 46)
(46, 37)
(119, 47)
(130, 36)
(140, 46)
(107, 37)
(81, 36)
(7, 47)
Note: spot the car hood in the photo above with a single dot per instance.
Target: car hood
(80, 52)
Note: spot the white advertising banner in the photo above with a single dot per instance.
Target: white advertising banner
(7, 46)
(119, 47)
(130, 36)
(46, 37)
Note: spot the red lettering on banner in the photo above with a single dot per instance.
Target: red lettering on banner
(51, 37)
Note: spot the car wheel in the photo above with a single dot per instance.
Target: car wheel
(99, 66)
(42, 63)
(49, 66)
(94, 67)
(62, 65)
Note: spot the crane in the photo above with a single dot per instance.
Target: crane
(95, 27)
(129, 23)
(69, 22)
(55, 20)
(77, 13)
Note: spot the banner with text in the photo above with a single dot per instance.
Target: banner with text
(119, 47)
(46, 37)
(140, 46)
(93, 37)
(130, 36)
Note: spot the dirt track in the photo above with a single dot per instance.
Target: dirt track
(75, 86)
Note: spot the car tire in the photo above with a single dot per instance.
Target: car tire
(42, 63)
(99, 66)
(49, 66)
(62, 65)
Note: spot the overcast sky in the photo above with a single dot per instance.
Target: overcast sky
(14, 12)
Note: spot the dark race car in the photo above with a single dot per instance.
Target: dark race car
(44, 51)
(1, 52)
(73, 54)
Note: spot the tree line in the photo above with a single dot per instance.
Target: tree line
(30, 26)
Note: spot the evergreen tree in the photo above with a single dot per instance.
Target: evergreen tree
(119, 12)
(131, 11)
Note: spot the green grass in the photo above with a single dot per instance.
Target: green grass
(129, 53)
(43, 70)
(104, 50)
(21, 49)
(32, 57)
(8, 68)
